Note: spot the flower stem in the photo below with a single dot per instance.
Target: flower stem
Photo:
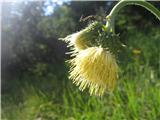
(111, 17)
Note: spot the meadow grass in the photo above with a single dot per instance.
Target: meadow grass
(136, 96)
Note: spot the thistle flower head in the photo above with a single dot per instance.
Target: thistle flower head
(94, 68)
(93, 65)
(84, 38)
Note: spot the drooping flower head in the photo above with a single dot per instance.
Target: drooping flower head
(94, 68)
(93, 65)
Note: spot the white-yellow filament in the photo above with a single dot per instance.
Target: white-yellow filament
(94, 68)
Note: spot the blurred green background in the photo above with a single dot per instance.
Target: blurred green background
(34, 73)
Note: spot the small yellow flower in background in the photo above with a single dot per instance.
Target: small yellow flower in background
(94, 68)
(136, 51)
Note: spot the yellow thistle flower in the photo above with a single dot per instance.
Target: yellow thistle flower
(94, 68)
(136, 51)
(77, 40)
(84, 38)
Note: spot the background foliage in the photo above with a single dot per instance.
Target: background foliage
(34, 73)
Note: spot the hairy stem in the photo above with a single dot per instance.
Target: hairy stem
(111, 17)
